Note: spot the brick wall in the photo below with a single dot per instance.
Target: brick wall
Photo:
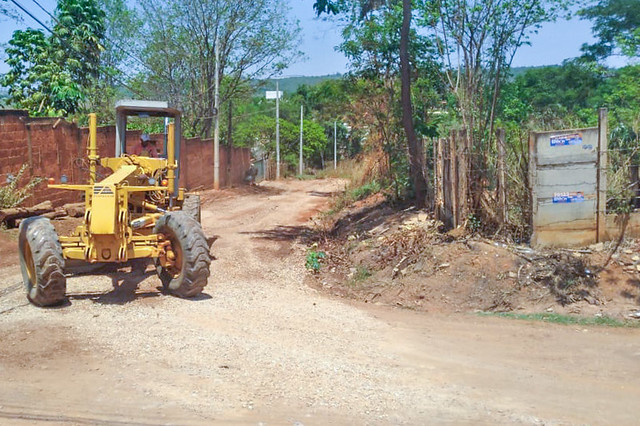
(53, 147)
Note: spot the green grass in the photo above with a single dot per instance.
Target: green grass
(565, 319)
(361, 274)
(305, 176)
(353, 194)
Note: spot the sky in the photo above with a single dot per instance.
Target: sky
(553, 43)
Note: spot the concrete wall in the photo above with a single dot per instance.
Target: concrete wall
(615, 226)
(564, 184)
(53, 147)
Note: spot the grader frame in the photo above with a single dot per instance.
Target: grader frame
(134, 213)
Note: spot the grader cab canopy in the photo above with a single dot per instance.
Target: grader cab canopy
(146, 109)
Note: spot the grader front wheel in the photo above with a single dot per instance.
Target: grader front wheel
(189, 272)
(41, 262)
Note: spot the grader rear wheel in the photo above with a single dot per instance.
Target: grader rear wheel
(41, 262)
(190, 272)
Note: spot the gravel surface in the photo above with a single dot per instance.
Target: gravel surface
(260, 347)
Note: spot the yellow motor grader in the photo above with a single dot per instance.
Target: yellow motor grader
(138, 211)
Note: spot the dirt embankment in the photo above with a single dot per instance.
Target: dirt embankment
(402, 257)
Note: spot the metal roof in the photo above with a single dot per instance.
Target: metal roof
(150, 108)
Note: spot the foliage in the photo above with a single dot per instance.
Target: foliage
(255, 38)
(365, 190)
(15, 192)
(482, 38)
(119, 59)
(52, 75)
(314, 259)
(616, 24)
(566, 319)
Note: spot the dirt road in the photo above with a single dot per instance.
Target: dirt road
(260, 347)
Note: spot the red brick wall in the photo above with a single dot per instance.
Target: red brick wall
(59, 148)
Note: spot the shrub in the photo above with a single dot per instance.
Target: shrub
(12, 194)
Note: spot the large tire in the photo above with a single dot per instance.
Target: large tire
(41, 262)
(191, 273)
(191, 206)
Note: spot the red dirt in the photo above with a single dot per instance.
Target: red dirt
(378, 254)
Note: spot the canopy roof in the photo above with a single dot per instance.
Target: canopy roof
(146, 108)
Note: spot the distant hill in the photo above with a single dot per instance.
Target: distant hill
(517, 71)
(290, 84)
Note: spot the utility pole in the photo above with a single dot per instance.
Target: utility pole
(335, 145)
(277, 131)
(216, 131)
(301, 117)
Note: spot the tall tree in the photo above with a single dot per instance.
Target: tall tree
(616, 24)
(255, 39)
(370, 43)
(51, 75)
(477, 41)
(416, 147)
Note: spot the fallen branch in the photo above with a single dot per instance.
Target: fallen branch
(14, 213)
(56, 213)
(74, 209)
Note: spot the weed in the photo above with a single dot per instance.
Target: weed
(305, 176)
(474, 224)
(352, 194)
(359, 275)
(12, 195)
(365, 190)
(313, 259)
(362, 273)
(565, 319)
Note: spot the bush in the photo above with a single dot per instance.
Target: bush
(313, 259)
(12, 194)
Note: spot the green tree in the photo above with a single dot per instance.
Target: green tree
(616, 24)
(381, 44)
(477, 41)
(256, 39)
(51, 75)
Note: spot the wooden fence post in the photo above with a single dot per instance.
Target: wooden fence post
(453, 170)
(437, 177)
(533, 171)
(463, 177)
(445, 160)
(502, 188)
(601, 207)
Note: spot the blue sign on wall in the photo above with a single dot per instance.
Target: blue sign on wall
(568, 197)
(564, 140)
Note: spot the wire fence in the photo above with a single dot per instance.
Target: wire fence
(547, 184)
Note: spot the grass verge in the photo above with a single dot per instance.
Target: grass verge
(603, 321)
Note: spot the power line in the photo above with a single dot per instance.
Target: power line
(63, 42)
(31, 15)
(115, 44)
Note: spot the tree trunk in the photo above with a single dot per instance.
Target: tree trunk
(416, 148)
(22, 212)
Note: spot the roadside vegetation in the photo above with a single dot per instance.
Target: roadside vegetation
(18, 188)
(417, 71)
(566, 319)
